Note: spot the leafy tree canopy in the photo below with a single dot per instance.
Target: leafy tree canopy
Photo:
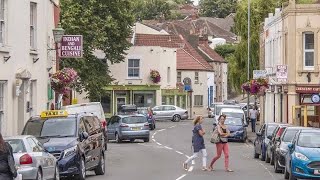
(104, 26)
(225, 50)
(217, 8)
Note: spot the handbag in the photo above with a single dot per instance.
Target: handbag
(11, 162)
(215, 138)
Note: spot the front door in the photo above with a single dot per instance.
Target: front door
(120, 101)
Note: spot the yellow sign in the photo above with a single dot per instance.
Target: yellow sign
(54, 113)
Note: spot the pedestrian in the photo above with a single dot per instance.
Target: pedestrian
(7, 166)
(197, 144)
(223, 144)
(150, 113)
(253, 114)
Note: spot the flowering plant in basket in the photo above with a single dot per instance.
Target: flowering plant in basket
(256, 86)
(155, 76)
(64, 80)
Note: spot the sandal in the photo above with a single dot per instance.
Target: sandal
(185, 166)
(210, 169)
(229, 170)
(204, 169)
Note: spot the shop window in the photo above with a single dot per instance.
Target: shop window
(133, 68)
(144, 98)
(198, 100)
(181, 101)
(167, 100)
(308, 51)
(196, 77)
(33, 25)
(178, 76)
(2, 22)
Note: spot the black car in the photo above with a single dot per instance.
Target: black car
(262, 140)
(77, 141)
(273, 142)
(281, 147)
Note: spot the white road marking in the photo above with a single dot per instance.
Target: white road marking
(181, 177)
(171, 127)
(159, 144)
(161, 130)
(152, 137)
(179, 152)
(168, 147)
(192, 162)
(190, 169)
(154, 140)
(268, 171)
(187, 156)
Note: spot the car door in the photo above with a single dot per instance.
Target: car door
(85, 144)
(96, 139)
(158, 112)
(91, 155)
(110, 126)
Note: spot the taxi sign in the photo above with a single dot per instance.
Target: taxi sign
(54, 113)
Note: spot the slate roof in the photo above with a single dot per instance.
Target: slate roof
(212, 54)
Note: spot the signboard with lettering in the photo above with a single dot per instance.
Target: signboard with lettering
(259, 74)
(71, 46)
(308, 90)
(282, 73)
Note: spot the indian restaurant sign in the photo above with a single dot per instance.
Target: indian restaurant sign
(71, 46)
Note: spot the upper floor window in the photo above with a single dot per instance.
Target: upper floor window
(308, 51)
(198, 100)
(33, 25)
(133, 68)
(178, 76)
(196, 77)
(2, 22)
(168, 75)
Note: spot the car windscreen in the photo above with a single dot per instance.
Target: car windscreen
(17, 145)
(309, 139)
(219, 107)
(233, 114)
(233, 121)
(51, 127)
(134, 120)
(270, 129)
(289, 135)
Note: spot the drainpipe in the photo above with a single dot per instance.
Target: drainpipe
(274, 107)
(281, 101)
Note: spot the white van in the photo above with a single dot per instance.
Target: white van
(92, 107)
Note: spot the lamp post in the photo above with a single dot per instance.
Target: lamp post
(248, 63)
(58, 33)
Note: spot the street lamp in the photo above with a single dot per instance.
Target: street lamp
(58, 32)
(248, 63)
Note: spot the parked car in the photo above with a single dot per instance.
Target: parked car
(237, 128)
(171, 112)
(151, 120)
(127, 109)
(76, 140)
(281, 147)
(273, 142)
(262, 140)
(31, 159)
(92, 107)
(128, 127)
(303, 157)
(230, 101)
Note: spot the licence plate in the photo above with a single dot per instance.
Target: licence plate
(136, 128)
(317, 172)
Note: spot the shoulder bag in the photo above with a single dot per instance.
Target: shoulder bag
(215, 138)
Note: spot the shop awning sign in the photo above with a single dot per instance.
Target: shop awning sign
(282, 73)
(71, 46)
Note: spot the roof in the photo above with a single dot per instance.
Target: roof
(298, 127)
(162, 40)
(232, 110)
(212, 54)
(225, 23)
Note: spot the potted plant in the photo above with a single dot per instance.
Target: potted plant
(155, 76)
(256, 87)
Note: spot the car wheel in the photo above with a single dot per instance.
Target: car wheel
(267, 158)
(101, 168)
(118, 140)
(276, 166)
(82, 173)
(272, 159)
(106, 145)
(154, 126)
(146, 140)
(256, 155)
(56, 173)
(176, 118)
(39, 175)
(292, 177)
(132, 140)
(286, 173)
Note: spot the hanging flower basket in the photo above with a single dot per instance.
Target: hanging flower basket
(256, 87)
(64, 80)
(155, 76)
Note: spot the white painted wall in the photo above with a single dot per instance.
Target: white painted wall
(17, 46)
(143, 29)
(224, 81)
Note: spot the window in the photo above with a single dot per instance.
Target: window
(2, 22)
(198, 100)
(133, 68)
(168, 75)
(178, 76)
(33, 25)
(1, 104)
(82, 127)
(33, 145)
(196, 77)
(308, 51)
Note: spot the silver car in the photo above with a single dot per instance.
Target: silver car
(128, 127)
(171, 112)
(31, 160)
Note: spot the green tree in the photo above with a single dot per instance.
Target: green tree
(217, 8)
(225, 50)
(152, 9)
(104, 26)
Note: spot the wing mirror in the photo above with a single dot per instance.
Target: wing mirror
(269, 137)
(84, 135)
(290, 146)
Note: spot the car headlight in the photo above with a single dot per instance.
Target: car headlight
(301, 156)
(70, 151)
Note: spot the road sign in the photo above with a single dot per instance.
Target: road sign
(259, 74)
(282, 73)
(71, 46)
(187, 81)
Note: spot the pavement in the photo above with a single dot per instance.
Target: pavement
(252, 135)
(169, 147)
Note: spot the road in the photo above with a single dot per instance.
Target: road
(170, 144)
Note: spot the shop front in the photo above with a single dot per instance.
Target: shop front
(177, 97)
(118, 95)
(307, 113)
